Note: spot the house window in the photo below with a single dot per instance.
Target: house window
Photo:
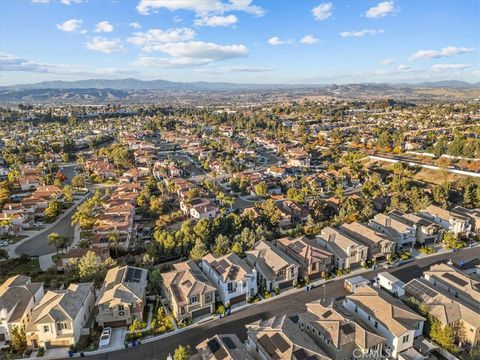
(230, 286)
(193, 299)
(376, 324)
(405, 339)
(182, 310)
(46, 328)
(208, 298)
(121, 307)
(369, 317)
(61, 326)
(356, 308)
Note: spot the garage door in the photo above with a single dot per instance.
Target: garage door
(57, 344)
(237, 299)
(285, 284)
(2, 337)
(113, 324)
(201, 312)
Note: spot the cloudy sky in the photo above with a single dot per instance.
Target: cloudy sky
(249, 41)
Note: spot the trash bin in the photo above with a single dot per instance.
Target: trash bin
(70, 353)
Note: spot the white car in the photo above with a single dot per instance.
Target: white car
(4, 243)
(105, 337)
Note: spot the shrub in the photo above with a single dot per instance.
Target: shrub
(40, 352)
(277, 291)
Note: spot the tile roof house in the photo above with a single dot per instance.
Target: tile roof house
(402, 234)
(275, 269)
(60, 316)
(379, 245)
(450, 220)
(347, 252)
(426, 231)
(455, 282)
(332, 328)
(222, 347)
(388, 316)
(472, 214)
(121, 298)
(315, 261)
(190, 293)
(18, 296)
(279, 338)
(464, 320)
(234, 279)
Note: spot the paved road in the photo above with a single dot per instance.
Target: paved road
(289, 305)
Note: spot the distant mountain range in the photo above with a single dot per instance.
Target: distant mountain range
(130, 89)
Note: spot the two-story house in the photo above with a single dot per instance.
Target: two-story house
(388, 316)
(450, 220)
(402, 234)
(275, 269)
(380, 246)
(58, 320)
(280, 338)
(121, 298)
(189, 292)
(446, 308)
(18, 297)
(347, 252)
(426, 231)
(338, 334)
(314, 260)
(234, 279)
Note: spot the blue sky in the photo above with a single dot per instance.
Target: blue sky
(257, 41)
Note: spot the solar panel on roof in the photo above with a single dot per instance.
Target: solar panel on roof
(420, 290)
(229, 342)
(455, 279)
(213, 345)
(280, 342)
(348, 329)
(268, 345)
(327, 313)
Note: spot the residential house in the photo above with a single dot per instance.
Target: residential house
(426, 231)
(58, 320)
(314, 260)
(450, 220)
(121, 298)
(280, 338)
(472, 214)
(222, 346)
(446, 308)
(18, 297)
(234, 279)
(338, 335)
(189, 292)
(347, 252)
(380, 246)
(275, 269)
(455, 282)
(388, 316)
(402, 234)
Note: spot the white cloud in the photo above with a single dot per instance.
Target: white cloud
(106, 46)
(13, 63)
(387, 62)
(70, 25)
(104, 26)
(277, 41)
(70, 2)
(444, 52)
(233, 69)
(200, 7)
(381, 9)
(216, 20)
(135, 25)
(403, 68)
(154, 37)
(40, 1)
(447, 67)
(309, 39)
(322, 11)
(361, 33)
(192, 53)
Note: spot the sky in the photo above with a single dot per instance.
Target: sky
(242, 41)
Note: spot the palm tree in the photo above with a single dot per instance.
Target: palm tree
(54, 239)
(114, 238)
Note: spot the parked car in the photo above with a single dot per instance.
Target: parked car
(105, 337)
(3, 243)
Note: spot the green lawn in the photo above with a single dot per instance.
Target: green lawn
(17, 266)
